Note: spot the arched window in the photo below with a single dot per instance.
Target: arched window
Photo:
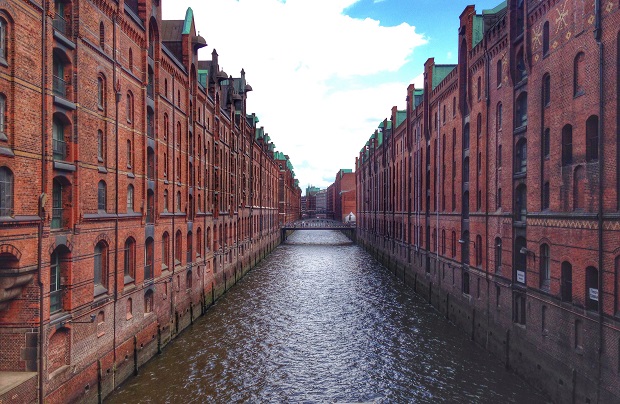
(6, 192)
(130, 59)
(454, 106)
(545, 38)
(178, 201)
(100, 268)
(130, 198)
(566, 286)
(521, 110)
(165, 250)
(479, 88)
(148, 302)
(165, 200)
(546, 143)
(129, 260)
(129, 154)
(59, 259)
(188, 279)
(61, 191)
(199, 242)
(101, 34)
(545, 273)
(592, 138)
(59, 84)
(567, 145)
(190, 247)
(178, 245)
(579, 74)
(466, 170)
(546, 90)
(59, 146)
(521, 72)
(592, 288)
(149, 255)
(129, 107)
(521, 156)
(498, 254)
(100, 93)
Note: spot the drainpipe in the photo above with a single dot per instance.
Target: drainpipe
(117, 87)
(597, 37)
(43, 195)
(486, 198)
(438, 182)
(173, 201)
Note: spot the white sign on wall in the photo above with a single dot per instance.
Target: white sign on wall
(521, 276)
(593, 294)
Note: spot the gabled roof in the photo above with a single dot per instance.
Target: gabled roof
(478, 30)
(401, 116)
(189, 18)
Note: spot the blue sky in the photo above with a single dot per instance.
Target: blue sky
(325, 72)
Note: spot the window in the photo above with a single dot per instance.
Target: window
(148, 302)
(59, 146)
(479, 88)
(177, 247)
(545, 196)
(178, 201)
(100, 268)
(499, 73)
(149, 252)
(466, 170)
(546, 143)
(498, 254)
(545, 273)
(190, 249)
(521, 111)
(579, 178)
(129, 198)
(521, 203)
(199, 242)
(2, 116)
(579, 74)
(567, 145)
(499, 116)
(165, 200)
(520, 259)
(591, 288)
(454, 106)
(100, 93)
(478, 250)
(465, 282)
(59, 85)
(521, 72)
(101, 34)
(3, 40)
(499, 198)
(100, 146)
(55, 283)
(546, 90)
(521, 156)
(129, 262)
(165, 250)
(130, 59)
(101, 196)
(57, 204)
(499, 156)
(592, 138)
(466, 137)
(129, 107)
(545, 38)
(6, 192)
(566, 286)
(188, 279)
(465, 248)
(129, 154)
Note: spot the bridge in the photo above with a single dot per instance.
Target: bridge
(319, 224)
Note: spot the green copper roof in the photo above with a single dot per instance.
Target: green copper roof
(496, 9)
(260, 133)
(478, 30)
(400, 117)
(417, 98)
(346, 170)
(440, 72)
(202, 77)
(189, 17)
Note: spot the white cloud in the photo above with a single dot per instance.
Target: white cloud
(290, 51)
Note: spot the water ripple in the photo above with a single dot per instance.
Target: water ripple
(319, 321)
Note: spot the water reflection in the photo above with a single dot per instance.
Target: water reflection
(320, 321)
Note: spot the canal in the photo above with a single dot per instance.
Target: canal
(320, 321)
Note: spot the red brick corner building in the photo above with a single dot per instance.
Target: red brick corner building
(134, 189)
(496, 193)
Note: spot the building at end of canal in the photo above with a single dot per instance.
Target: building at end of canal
(134, 190)
(496, 192)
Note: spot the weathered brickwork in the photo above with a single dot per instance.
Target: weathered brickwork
(134, 190)
(495, 193)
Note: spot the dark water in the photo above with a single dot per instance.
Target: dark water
(320, 321)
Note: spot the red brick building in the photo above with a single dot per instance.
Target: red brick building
(496, 192)
(134, 189)
(344, 195)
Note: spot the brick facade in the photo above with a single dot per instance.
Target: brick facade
(495, 193)
(135, 189)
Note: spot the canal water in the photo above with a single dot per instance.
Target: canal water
(320, 321)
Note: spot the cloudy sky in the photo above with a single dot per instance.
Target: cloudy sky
(325, 73)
